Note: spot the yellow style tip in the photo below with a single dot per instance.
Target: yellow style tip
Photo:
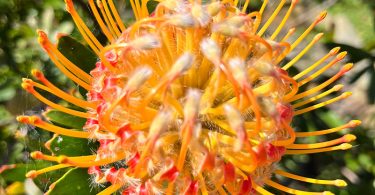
(26, 80)
(69, 5)
(27, 85)
(23, 119)
(27, 119)
(318, 36)
(334, 50)
(347, 67)
(341, 55)
(42, 37)
(338, 87)
(340, 183)
(37, 73)
(354, 123)
(345, 146)
(346, 94)
(322, 15)
(36, 155)
(349, 138)
(31, 174)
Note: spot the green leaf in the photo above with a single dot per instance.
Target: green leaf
(7, 93)
(77, 53)
(42, 181)
(18, 172)
(151, 5)
(65, 120)
(354, 54)
(75, 181)
(82, 91)
(64, 145)
(330, 118)
(358, 75)
(36, 138)
(371, 88)
(5, 116)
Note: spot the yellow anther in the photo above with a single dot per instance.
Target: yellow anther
(211, 50)
(137, 79)
(237, 67)
(200, 14)
(226, 29)
(182, 64)
(214, 8)
(146, 42)
(237, 123)
(182, 20)
(192, 103)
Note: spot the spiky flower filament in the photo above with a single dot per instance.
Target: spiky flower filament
(191, 98)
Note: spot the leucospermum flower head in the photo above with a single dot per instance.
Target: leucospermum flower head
(193, 98)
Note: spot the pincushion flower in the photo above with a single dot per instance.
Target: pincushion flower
(192, 98)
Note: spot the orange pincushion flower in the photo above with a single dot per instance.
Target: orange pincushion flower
(190, 99)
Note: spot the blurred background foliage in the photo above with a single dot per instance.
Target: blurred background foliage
(350, 25)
